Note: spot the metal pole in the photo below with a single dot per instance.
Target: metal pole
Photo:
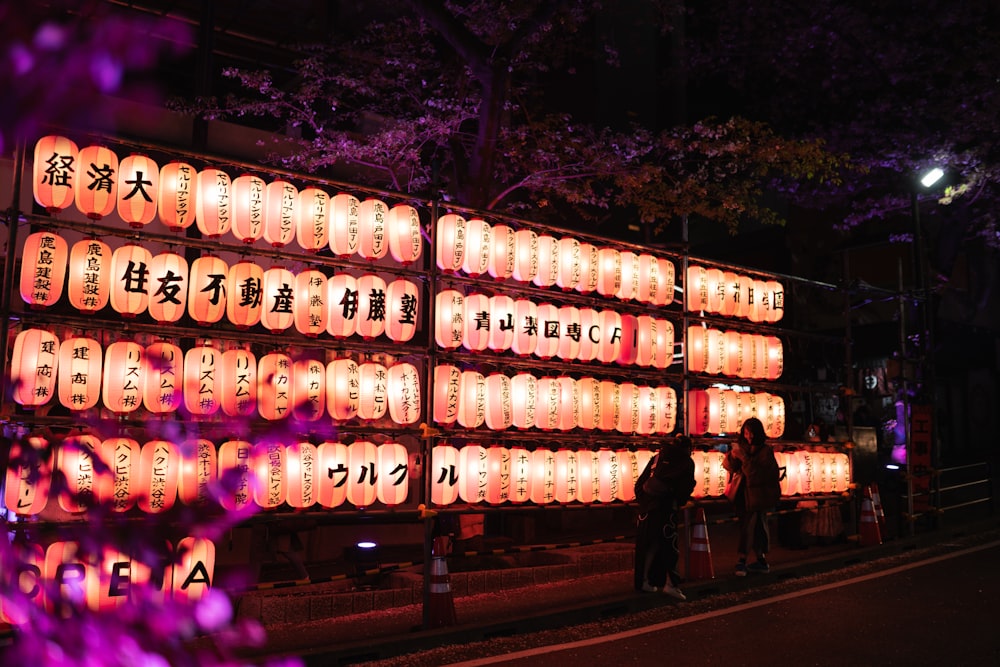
(906, 400)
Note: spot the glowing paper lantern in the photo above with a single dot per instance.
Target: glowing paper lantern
(274, 385)
(525, 255)
(130, 279)
(722, 412)
(647, 402)
(450, 239)
(478, 245)
(587, 466)
(667, 275)
(343, 383)
(628, 416)
(569, 404)
(198, 471)
(202, 386)
(301, 462)
(138, 190)
(589, 268)
(159, 467)
(611, 336)
(499, 410)
(645, 340)
(565, 477)
(278, 293)
(569, 333)
(270, 485)
(808, 471)
(697, 349)
(393, 477)
(520, 475)
(747, 406)
(666, 415)
(96, 186)
(501, 309)
(310, 307)
(207, 290)
(344, 230)
(89, 276)
(629, 286)
(55, 172)
(503, 253)
(547, 405)
(609, 271)
(628, 352)
(840, 472)
(663, 344)
(590, 334)
(607, 478)
(244, 299)
(523, 399)
(715, 286)
(371, 306)
(309, 389)
(75, 460)
(373, 391)
(710, 476)
(497, 475)
(590, 403)
(697, 411)
(732, 361)
(29, 476)
(790, 479)
(34, 367)
(402, 299)
(361, 484)
(548, 261)
(404, 393)
(758, 302)
(610, 405)
(162, 377)
(774, 421)
(715, 356)
(248, 208)
(449, 319)
(649, 285)
(214, 205)
(471, 399)
(342, 299)
(43, 269)
(177, 200)
(280, 199)
(627, 474)
(696, 289)
(568, 274)
(548, 331)
(444, 474)
(405, 235)
(472, 473)
(774, 304)
(729, 288)
(191, 577)
(525, 327)
(80, 362)
(312, 219)
(122, 381)
(447, 381)
(120, 489)
(543, 473)
(774, 357)
(238, 383)
(332, 475)
(168, 287)
(235, 463)
(372, 241)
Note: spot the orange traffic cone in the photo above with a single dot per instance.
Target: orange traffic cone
(700, 552)
(441, 609)
(877, 508)
(869, 533)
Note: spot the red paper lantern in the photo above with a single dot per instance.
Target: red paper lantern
(168, 287)
(747, 406)
(124, 367)
(207, 299)
(120, 490)
(444, 474)
(269, 484)
(342, 299)
(609, 271)
(743, 293)
(472, 473)
(162, 378)
(274, 385)
(363, 467)
(590, 262)
(280, 198)
(478, 245)
(235, 464)
(471, 399)
(715, 357)
(569, 333)
(628, 415)
(80, 362)
(758, 302)
(646, 341)
(649, 285)
(404, 393)
(89, 277)
(244, 283)
(278, 293)
(732, 362)
(716, 289)
(611, 404)
(333, 473)
(373, 391)
(198, 471)
(302, 462)
(191, 576)
(569, 404)
(520, 475)
(628, 352)
(523, 399)
(565, 479)
(723, 415)
(393, 479)
(665, 293)
(248, 208)
(138, 190)
(402, 304)
(450, 242)
(214, 205)
(663, 354)
(343, 383)
(371, 306)
(590, 334)
(29, 476)
(548, 261)
(96, 186)
(238, 383)
(502, 253)
(526, 255)
(548, 403)
(449, 319)
(499, 412)
(627, 475)
(373, 243)
(447, 380)
(548, 331)
(310, 306)
(525, 327)
(774, 421)
(568, 276)
(607, 477)
(344, 229)
(775, 357)
(159, 467)
(630, 276)
(730, 290)
(710, 477)
(611, 336)
(666, 415)
(774, 306)
(34, 367)
(405, 235)
(696, 289)
(130, 279)
(647, 401)
(43, 269)
(497, 475)
(202, 383)
(501, 326)
(55, 172)
(309, 389)
(75, 460)
(312, 220)
(697, 349)
(696, 408)
(177, 200)
(590, 403)
(543, 474)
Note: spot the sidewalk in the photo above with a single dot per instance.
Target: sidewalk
(594, 583)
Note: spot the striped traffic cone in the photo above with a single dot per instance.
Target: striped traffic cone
(877, 508)
(869, 533)
(700, 552)
(441, 603)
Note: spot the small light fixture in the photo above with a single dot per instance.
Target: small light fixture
(931, 177)
(366, 557)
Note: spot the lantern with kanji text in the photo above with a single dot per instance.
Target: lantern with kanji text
(238, 382)
(280, 199)
(168, 287)
(269, 483)
(274, 385)
(450, 242)
(525, 327)
(478, 245)
(342, 301)
(214, 206)
(198, 471)
(96, 186)
(207, 298)
(120, 489)
(130, 279)
(502, 253)
(402, 300)
(122, 381)
(312, 219)
(332, 474)
(477, 319)
(302, 466)
(344, 226)
(235, 461)
(55, 172)
(138, 190)
(80, 363)
(159, 466)
(373, 243)
(371, 306)
(523, 400)
(343, 384)
(310, 306)
(43, 269)
(449, 324)
(163, 377)
(202, 381)
(248, 208)
(373, 391)
(278, 293)
(88, 281)
(499, 410)
(404, 393)
(34, 367)
(309, 389)
(244, 283)
(177, 199)
(405, 236)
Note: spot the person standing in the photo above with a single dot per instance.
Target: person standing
(753, 489)
(663, 486)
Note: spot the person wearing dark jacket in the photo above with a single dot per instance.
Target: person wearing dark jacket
(664, 486)
(754, 490)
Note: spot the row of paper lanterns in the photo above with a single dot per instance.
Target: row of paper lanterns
(477, 248)
(478, 322)
(62, 572)
(730, 294)
(155, 475)
(735, 354)
(471, 399)
(805, 473)
(207, 380)
(134, 281)
(247, 207)
(719, 411)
